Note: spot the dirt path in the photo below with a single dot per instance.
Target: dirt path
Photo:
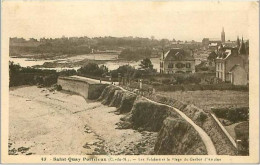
(43, 122)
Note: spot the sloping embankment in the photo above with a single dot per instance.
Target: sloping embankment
(115, 97)
(176, 135)
(205, 121)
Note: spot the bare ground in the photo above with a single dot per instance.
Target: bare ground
(61, 123)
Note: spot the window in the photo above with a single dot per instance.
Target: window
(161, 64)
(180, 65)
(187, 65)
(170, 65)
(180, 72)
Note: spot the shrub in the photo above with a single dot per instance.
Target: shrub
(156, 83)
(202, 117)
(68, 72)
(242, 133)
(30, 76)
(59, 88)
(232, 114)
(238, 114)
(92, 69)
(166, 81)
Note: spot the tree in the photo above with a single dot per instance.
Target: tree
(212, 56)
(146, 64)
(135, 54)
(103, 68)
(164, 43)
(92, 69)
(14, 70)
(124, 70)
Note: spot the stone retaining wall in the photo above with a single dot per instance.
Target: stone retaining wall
(88, 90)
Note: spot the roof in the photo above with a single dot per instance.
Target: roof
(242, 48)
(178, 54)
(213, 44)
(224, 55)
(214, 39)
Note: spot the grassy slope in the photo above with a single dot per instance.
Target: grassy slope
(207, 99)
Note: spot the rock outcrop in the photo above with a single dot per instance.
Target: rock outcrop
(116, 97)
(177, 137)
(205, 121)
(150, 116)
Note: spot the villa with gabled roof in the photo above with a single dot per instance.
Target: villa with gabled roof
(177, 60)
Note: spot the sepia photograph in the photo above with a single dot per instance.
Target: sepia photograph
(130, 82)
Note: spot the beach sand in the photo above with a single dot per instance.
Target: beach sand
(45, 122)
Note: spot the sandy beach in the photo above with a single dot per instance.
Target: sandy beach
(45, 122)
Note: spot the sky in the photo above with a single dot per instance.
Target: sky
(165, 19)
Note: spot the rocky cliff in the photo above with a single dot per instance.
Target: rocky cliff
(175, 135)
(205, 121)
(116, 97)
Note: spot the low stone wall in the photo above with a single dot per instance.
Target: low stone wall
(224, 130)
(84, 88)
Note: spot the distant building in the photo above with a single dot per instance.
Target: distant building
(213, 46)
(213, 43)
(177, 61)
(228, 58)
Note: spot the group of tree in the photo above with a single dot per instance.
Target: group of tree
(92, 69)
(131, 46)
(212, 56)
(135, 54)
(31, 76)
(56, 48)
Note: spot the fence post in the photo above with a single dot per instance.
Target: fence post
(141, 84)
